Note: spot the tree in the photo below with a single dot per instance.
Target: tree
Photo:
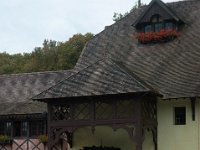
(51, 56)
(118, 16)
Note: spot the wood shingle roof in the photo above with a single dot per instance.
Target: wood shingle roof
(16, 91)
(104, 77)
(172, 68)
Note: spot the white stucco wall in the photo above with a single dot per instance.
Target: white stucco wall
(104, 136)
(148, 143)
(177, 137)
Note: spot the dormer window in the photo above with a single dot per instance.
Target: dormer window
(148, 28)
(156, 32)
(169, 26)
(158, 27)
(157, 24)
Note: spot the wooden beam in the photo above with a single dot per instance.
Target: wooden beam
(82, 123)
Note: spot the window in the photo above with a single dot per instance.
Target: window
(20, 129)
(36, 128)
(1, 128)
(5, 128)
(148, 28)
(24, 128)
(8, 128)
(180, 115)
(168, 25)
(156, 24)
(158, 27)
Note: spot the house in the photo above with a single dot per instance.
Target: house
(135, 85)
(20, 118)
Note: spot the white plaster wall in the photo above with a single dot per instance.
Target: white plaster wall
(104, 136)
(177, 137)
(148, 143)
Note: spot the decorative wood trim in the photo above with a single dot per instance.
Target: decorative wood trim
(20, 117)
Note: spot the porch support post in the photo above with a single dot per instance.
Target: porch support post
(139, 126)
(139, 140)
(49, 127)
(154, 132)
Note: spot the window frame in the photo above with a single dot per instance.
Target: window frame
(6, 128)
(180, 115)
(39, 127)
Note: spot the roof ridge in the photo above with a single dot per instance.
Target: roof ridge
(134, 76)
(33, 98)
(124, 70)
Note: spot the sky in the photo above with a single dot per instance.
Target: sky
(26, 23)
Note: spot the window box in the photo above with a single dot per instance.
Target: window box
(155, 37)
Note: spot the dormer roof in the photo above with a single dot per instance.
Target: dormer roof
(156, 7)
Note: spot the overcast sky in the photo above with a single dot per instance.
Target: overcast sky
(26, 23)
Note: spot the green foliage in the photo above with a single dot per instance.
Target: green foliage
(43, 138)
(4, 139)
(118, 16)
(51, 56)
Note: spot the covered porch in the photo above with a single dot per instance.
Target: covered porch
(134, 113)
(103, 94)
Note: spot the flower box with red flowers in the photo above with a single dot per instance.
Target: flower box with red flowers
(155, 37)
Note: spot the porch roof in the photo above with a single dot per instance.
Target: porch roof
(104, 77)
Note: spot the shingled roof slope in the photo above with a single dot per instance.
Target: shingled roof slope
(16, 90)
(173, 68)
(101, 78)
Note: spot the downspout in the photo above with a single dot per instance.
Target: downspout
(198, 124)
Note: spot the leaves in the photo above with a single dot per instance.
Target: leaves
(118, 16)
(52, 56)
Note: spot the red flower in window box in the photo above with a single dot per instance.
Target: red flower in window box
(161, 36)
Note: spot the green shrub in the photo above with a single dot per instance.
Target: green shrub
(4, 139)
(43, 138)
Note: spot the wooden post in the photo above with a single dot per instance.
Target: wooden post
(139, 126)
(49, 131)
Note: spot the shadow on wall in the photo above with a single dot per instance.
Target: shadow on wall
(103, 136)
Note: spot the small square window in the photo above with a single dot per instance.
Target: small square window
(180, 115)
